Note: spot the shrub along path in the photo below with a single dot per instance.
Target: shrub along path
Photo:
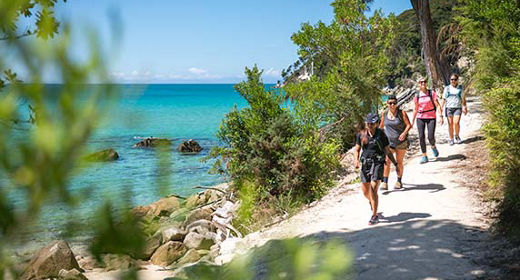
(434, 228)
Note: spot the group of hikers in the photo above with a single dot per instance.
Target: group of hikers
(388, 143)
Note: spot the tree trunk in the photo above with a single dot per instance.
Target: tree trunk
(436, 69)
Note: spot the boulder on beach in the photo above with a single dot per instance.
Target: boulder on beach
(168, 253)
(72, 274)
(163, 207)
(152, 142)
(101, 156)
(190, 146)
(49, 261)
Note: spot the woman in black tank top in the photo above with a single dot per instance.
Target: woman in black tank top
(396, 124)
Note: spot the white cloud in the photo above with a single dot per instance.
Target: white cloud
(197, 71)
(272, 73)
(147, 76)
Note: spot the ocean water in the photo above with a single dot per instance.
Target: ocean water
(178, 112)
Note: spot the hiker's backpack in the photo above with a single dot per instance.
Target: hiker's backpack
(431, 100)
(459, 94)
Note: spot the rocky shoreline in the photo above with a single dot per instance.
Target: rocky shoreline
(179, 232)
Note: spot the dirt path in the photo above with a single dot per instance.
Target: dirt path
(427, 231)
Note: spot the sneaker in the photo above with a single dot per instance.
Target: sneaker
(451, 142)
(457, 140)
(424, 159)
(398, 186)
(435, 152)
(384, 186)
(374, 220)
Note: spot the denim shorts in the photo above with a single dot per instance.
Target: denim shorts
(450, 112)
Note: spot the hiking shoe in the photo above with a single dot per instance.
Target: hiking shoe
(435, 152)
(384, 186)
(457, 140)
(398, 186)
(424, 159)
(451, 142)
(374, 220)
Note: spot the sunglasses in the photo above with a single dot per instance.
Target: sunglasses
(453, 79)
(391, 103)
(422, 82)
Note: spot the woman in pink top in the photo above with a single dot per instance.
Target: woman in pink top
(426, 105)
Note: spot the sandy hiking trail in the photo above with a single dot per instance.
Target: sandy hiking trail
(429, 230)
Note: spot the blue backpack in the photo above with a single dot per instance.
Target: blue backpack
(459, 93)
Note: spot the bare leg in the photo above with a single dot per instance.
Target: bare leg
(373, 195)
(400, 161)
(366, 191)
(456, 120)
(450, 127)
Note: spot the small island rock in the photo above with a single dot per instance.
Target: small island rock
(152, 142)
(104, 155)
(190, 146)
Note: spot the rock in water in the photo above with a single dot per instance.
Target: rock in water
(190, 146)
(152, 142)
(104, 155)
(48, 262)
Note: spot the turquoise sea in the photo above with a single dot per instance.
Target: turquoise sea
(178, 112)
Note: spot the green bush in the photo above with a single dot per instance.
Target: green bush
(503, 140)
(265, 146)
(492, 29)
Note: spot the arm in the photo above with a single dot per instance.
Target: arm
(382, 123)
(407, 128)
(389, 154)
(464, 105)
(356, 155)
(392, 159)
(415, 109)
(439, 109)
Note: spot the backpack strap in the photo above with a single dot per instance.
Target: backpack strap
(431, 100)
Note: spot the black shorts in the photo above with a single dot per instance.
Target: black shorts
(372, 170)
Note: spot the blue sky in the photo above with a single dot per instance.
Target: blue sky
(198, 41)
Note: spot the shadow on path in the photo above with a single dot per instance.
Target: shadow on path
(418, 249)
(424, 187)
(401, 217)
(451, 157)
(473, 139)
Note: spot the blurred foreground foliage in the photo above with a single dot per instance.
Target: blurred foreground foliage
(38, 156)
(491, 28)
(305, 259)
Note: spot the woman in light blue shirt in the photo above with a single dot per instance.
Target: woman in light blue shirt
(455, 104)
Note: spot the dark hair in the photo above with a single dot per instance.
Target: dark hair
(392, 97)
(364, 136)
(454, 74)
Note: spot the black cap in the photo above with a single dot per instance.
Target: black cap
(371, 118)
